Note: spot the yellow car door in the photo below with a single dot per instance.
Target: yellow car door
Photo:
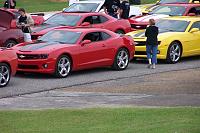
(195, 34)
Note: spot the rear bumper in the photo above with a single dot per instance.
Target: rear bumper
(38, 66)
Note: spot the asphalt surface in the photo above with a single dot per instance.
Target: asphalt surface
(34, 83)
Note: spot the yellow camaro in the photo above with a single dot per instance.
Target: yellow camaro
(178, 37)
(148, 8)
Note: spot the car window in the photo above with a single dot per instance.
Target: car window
(82, 7)
(170, 10)
(195, 25)
(95, 19)
(103, 19)
(172, 25)
(93, 36)
(173, 1)
(63, 19)
(105, 36)
(61, 36)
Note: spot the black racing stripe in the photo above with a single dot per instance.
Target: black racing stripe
(37, 46)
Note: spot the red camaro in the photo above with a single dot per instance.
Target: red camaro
(9, 34)
(96, 20)
(38, 18)
(163, 11)
(63, 50)
(8, 65)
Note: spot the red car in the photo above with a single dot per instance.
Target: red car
(61, 51)
(9, 34)
(165, 10)
(37, 17)
(96, 20)
(8, 65)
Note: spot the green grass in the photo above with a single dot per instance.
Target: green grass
(40, 5)
(102, 120)
(47, 5)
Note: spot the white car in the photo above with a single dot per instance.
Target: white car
(95, 6)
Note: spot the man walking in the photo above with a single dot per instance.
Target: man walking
(152, 43)
(124, 9)
(112, 7)
(24, 22)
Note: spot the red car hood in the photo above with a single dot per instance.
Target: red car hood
(145, 19)
(47, 46)
(6, 18)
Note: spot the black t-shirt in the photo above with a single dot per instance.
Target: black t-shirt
(112, 5)
(6, 4)
(23, 20)
(125, 6)
(152, 35)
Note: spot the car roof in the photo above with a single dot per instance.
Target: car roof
(82, 13)
(182, 4)
(82, 29)
(185, 18)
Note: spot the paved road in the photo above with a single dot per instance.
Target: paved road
(32, 83)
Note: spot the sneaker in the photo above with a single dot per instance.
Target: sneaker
(154, 66)
(149, 66)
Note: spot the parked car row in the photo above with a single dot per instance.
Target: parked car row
(73, 40)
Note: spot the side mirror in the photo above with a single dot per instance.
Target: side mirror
(191, 14)
(86, 24)
(85, 42)
(194, 30)
(13, 24)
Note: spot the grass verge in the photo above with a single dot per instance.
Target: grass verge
(102, 120)
(48, 5)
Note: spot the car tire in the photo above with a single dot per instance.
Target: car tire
(121, 61)
(10, 43)
(63, 66)
(119, 32)
(5, 74)
(174, 53)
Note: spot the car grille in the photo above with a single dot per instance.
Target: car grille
(138, 26)
(25, 57)
(140, 43)
(140, 53)
(32, 56)
(28, 66)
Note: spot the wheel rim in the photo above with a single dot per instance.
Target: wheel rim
(4, 75)
(9, 45)
(64, 66)
(175, 52)
(122, 59)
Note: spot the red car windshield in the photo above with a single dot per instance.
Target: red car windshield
(170, 10)
(63, 19)
(61, 36)
(173, 1)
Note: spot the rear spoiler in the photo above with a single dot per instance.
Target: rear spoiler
(37, 14)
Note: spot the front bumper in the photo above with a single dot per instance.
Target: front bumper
(38, 66)
(140, 52)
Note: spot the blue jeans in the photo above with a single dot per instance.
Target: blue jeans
(152, 53)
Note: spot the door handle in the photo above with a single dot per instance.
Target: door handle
(103, 45)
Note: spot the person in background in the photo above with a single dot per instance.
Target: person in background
(24, 22)
(124, 9)
(152, 43)
(11, 4)
(112, 7)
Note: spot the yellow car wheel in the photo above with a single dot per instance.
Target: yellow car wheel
(174, 52)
